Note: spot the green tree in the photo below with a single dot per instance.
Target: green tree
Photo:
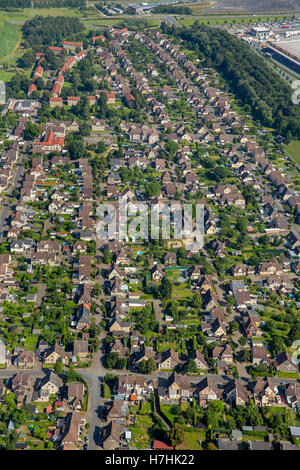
(31, 131)
(166, 288)
(58, 367)
(190, 366)
(10, 401)
(171, 147)
(111, 360)
(97, 289)
(197, 300)
(246, 355)
(153, 189)
(77, 149)
(107, 256)
(176, 435)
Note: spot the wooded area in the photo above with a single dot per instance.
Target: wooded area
(50, 30)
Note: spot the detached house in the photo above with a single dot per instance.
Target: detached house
(264, 392)
(199, 360)
(269, 267)
(251, 324)
(83, 316)
(50, 385)
(292, 394)
(206, 391)
(223, 355)
(235, 393)
(26, 359)
(169, 360)
(178, 387)
(75, 395)
(284, 363)
(132, 387)
(293, 240)
(170, 258)
(260, 355)
(157, 273)
(74, 423)
(98, 125)
(54, 353)
(194, 273)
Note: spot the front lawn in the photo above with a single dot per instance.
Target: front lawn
(288, 375)
(107, 391)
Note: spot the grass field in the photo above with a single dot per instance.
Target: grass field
(293, 150)
(192, 440)
(167, 412)
(24, 14)
(94, 23)
(9, 37)
(102, 22)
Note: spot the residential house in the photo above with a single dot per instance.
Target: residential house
(111, 436)
(75, 395)
(55, 353)
(169, 360)
(235, 393)
(74, 424)
(206, 391)
(178, 387)
(284, 363)
(26, 359)
(80, 348)
(157, 273)
(265, 392)
(199, 360)
(51, 384)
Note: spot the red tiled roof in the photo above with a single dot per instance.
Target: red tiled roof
(71, 43)
(73, 98)
(94, 38)
(55, 48)
(160, 445)
(31, 88)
